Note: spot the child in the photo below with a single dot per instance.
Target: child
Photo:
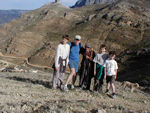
(99, 68)
(61, 60)
(111, 72)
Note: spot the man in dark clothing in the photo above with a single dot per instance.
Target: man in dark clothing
(87, 67)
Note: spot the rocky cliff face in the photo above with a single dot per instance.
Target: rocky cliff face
(121, 26)
(81, 3)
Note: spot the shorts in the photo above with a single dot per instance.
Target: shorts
(110, 79)
(74, 64)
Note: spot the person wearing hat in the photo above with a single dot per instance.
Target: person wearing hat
(61, 60)
(74, 60)
(87, 67)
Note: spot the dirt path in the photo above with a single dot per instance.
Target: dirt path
(32, 93)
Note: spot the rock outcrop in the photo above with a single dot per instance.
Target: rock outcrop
(81, 3)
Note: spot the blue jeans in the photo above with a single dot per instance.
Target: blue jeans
(74, 64)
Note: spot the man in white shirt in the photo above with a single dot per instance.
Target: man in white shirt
(111, 68)
(61, 61)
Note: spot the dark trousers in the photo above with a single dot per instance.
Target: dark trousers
(98, 83)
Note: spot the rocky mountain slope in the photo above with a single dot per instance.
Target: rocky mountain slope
(122, 26)
(81, 3)
(8, 15)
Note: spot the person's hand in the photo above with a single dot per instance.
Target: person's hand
(87, 57)
(56, 68)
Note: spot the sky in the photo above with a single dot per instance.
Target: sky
(30, 4)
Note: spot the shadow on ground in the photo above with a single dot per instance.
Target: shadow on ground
(46, 84)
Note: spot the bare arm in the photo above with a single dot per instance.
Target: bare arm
(116, 74)
(94, 68)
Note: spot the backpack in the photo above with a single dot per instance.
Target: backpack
(72, 43)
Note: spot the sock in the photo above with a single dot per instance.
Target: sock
(114, 93)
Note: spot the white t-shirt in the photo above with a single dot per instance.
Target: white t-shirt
(111, 67)
(62, 51)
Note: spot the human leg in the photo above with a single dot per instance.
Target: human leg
(60, 79)
(95, 84)
(81, 78)
(100, 84)
(55, 79)
(112, 84)
(76, 66)
(101, 80)
(108, 81)
(72, 73)
(113, 87)
(89, 77)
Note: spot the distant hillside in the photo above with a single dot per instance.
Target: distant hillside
(8, 15)
(81, 3)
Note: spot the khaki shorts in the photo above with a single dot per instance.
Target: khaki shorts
(110, 79)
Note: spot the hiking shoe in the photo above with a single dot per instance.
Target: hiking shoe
(107, 92)
(113, 95)
(72, 86)
(100, 90)
(80, 88)
(65, 88)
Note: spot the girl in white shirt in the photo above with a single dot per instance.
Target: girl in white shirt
(61, 61)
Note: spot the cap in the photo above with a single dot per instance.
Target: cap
(77, 37)
(87, 45)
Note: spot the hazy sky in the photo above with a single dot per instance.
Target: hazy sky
(30, 4)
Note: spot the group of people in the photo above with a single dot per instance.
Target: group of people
(100, 66)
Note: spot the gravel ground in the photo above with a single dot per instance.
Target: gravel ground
(32, 93)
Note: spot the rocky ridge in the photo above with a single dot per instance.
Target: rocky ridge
(81, 3)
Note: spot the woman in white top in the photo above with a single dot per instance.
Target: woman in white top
(61, 61)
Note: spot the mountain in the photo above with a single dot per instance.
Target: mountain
(81, 3)
(8, 15)
(123, 26)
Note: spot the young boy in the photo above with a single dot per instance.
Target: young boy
(111, 68)
(61, 60)
(99, 61)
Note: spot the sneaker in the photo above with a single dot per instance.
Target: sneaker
(107, 92)
(72, 86)
(65, 88)
(100, 89)
(113, 95)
